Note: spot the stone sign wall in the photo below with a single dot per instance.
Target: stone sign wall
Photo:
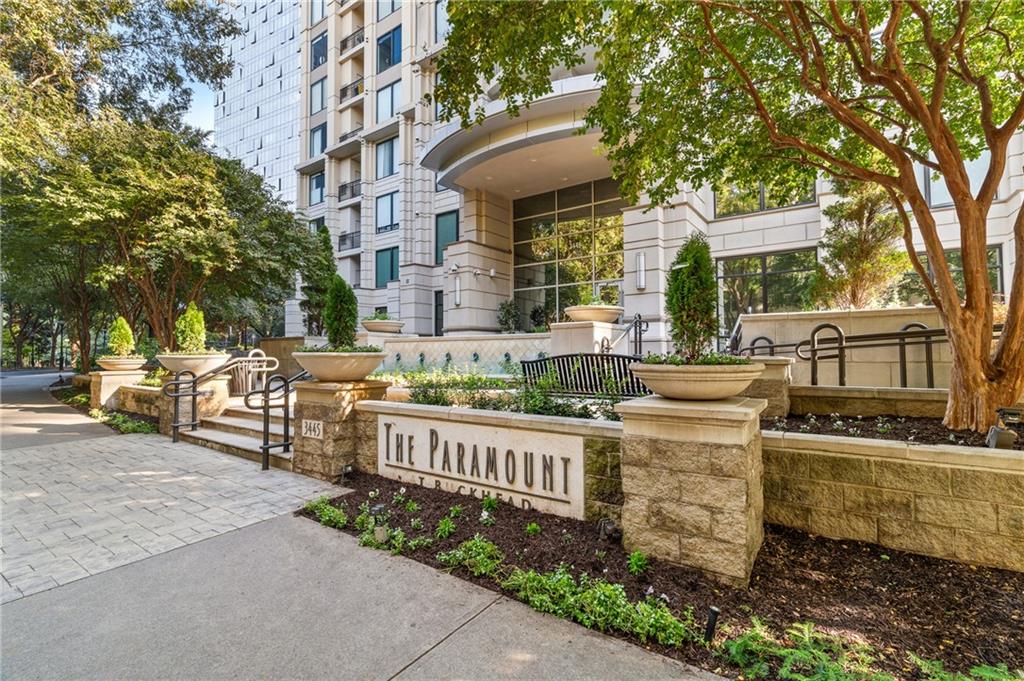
(567, 467)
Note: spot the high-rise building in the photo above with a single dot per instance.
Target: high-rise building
(438, 225)
(256, 114)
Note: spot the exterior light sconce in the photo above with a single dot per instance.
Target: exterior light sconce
(458, 292)
(641, 270)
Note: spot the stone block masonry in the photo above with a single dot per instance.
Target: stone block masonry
(692, 483)
(960, 503)
(329, 433)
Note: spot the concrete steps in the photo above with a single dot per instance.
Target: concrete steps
(239, 431)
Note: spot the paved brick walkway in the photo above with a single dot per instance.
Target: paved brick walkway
(72, 510)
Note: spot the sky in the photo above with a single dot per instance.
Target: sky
(200, 114)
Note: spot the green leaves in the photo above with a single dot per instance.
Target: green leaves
(341, 313)
(120, 338)
(190, 330)
(691, 298)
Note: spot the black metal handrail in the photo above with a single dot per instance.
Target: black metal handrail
(275, 393)
(638, 327)
(351, 40)
(349, 240)
(823, 346)
(350, 134)
(257, 362)
(350, 190)
(351, 90)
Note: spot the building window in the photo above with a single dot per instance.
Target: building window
(387, 266)
(389, 49)
(317, 100)
(316, 11)
(317, 140)
(935, 186)
(388, 99)
(773, 282)
(318, 50)
(446, 231)
(387, 212)
(566, 242)
(386, 7)
(386, 158)
(441, 25)
(316, 189)
(735, 200)
(316, 225)
(911, 291)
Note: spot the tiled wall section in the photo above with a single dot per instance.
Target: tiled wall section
(951, 502)
(492, 354)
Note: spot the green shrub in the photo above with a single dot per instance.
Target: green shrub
(805, 654)
(455, 511)
(653, 621)
(489, 503)
(933, 670)
(121, 422)
(341, 313)
(152, 379)
(445, 528)
(603, 606)
(709, 359)
(638, 563)
(478, 555)
(532, 529)
(448, 388)
(120, 338)
(327, 515)
(72, 397)
(508, 316)
(691, 298)
(190, 330)
(378, 315)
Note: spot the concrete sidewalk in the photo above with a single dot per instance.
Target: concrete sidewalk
(289, 599)
(32, 417)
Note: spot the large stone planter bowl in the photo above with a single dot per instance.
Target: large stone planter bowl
(383, 325)
(197, 364)
(121, 363)
(695, 381)
(339, 367)
(594, 313)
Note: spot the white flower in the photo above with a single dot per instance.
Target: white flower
(650, 591)
(401, 490)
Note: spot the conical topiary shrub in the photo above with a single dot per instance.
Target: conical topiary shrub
(341, 314)
(120, 339)
(190, 330)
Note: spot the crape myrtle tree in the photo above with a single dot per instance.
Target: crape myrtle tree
(730, 92)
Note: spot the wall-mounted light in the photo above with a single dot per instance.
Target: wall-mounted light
(458, 292)
(454, 268)
(641, 270)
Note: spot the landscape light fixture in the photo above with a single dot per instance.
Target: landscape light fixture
(999, 436)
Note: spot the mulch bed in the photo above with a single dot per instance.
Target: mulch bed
(896, 602)
(919, 429)
(84, 409)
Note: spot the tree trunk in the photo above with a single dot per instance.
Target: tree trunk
(974, 399)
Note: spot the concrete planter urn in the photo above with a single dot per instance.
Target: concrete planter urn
(594, 313)
(121, 363)
(197, 363)
(697, 381)
(339, 367)
(383, 325)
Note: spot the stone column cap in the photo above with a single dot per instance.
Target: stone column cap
(131, 372)
(739, 409)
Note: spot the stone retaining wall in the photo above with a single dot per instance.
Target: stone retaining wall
(959, 503)
(141, 399)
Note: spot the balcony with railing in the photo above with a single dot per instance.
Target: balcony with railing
(353, 89)
(349, 240)
(350, 190)
(350, 134)
(352, 39)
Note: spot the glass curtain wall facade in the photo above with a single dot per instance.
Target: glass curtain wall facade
(774, 282)
(567, 242)
(256, 114)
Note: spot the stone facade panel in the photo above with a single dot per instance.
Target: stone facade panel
(1002, 488)
(683, 519)
(912, 477)
(806, 492)
(714, 491)
(958, 513)
(907, 535)
(1011, 520)
(988, 548)
(842, 525)
(854, 470)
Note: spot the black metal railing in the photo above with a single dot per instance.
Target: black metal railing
(829, 342)
(275, 394)
(186, 385)
(349, 241)
(352, 39)
(637, 327)
(586, 374)
(350, 134)
(350, 190)
(351, 90)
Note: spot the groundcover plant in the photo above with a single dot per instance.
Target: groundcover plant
(816, 609)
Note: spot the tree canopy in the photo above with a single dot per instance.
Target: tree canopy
(719, 92)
